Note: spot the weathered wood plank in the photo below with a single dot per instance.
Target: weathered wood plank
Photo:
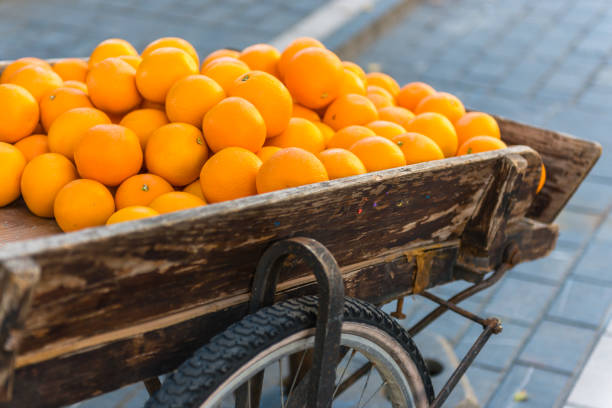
(17, 224)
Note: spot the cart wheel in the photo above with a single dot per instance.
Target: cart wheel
(379, 364)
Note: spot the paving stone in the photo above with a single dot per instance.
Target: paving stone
(582, 302)
(604, 234)
(593, 196)
(542, 388)
(552, 268)
(596, 262)
(593, 386)
(576, 227)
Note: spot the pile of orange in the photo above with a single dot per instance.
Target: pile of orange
(124, 135)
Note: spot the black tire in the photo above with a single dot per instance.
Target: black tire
(199, 376)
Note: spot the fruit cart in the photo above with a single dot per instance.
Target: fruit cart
(91, 311)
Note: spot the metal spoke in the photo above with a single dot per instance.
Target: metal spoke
(364, 388)
(343, 372)
(280, 381)
(297, 374)
(375, 392)
(356, 376)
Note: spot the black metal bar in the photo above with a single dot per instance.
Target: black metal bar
(331, 304)
(152, 385)
(455, 308)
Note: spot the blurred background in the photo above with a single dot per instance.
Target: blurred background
(547, 63)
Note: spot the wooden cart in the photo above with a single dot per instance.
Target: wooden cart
(88, 312)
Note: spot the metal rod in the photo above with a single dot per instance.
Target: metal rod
(152, 385)
(455, 308)
(353, 378)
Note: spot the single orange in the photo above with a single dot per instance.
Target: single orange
(479, 144)
(229, 174)
(81, 86)
(326, 131)
(43, 177)
(176, 152)
(159, 70)
(172, 42)
(223, 52)
(266, 152)
(112, 86)
(412, 94)
(33, 146)
(261, 57)
(12, 163)
(313, 76)
(386, 129)
(195, 188)
(377, 153)
(67, 130)
(61, 100)
(225, 71)
(380, 97)
(269, 96)
(16, 65)
(438, 128)
(140, 189)
(234, 122)
(476, 124)
(444, 103)
(341, 163)
(36, 79)
(300, 133)
(296, 45)
(418, 148)
(190, 98)
(351, 83)
(351, 109)
(108, 154)
(82, 204)
(112, 47)
(290, 167)
(19, 113)
(542, 179)
(384, 81)
(301, 112)
(396, 114)
(135, 212)
(133, 60)
(176, 201)
(346, 137)
(356, 69)
(71, 69)
(143, 122)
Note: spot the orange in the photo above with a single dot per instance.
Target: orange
(12, 163)
(229, 174)
(19, 113)
(356, 69)
(143, 122)
(33, 146)
(351, 83)
(476, 124)
(377, 153)
(225, 70)
(350, 110)
(153, 105)
(81, 86)
(69, 127)
(176, 152)
(16, 65)
(61, 100)
(190, 98)
(380, 97)
(290, 167)
(326, 131)
(300, 133)
(36, 79)
(384, 81)
(82, 204)
(266, 152)
(386, 129)
(112, 47)
(542, 179)
(346, 137)
(42, 179)
(313, 76)
(108, 154)
(71, 69)
(341, 163)
(195, 188)
(140, 189)
(176, 201)
(479, 144)
(444, 103)
(223, 52)
(261, 57)
(135, 212)
(269, 96)
(396, 114)
(411, 94)
(159, 70)
(112, 86)
(418, 148)
(296, 45)
(234, 122)
(438, 128)
(133, 60)
(172, 42)
(301, 112)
